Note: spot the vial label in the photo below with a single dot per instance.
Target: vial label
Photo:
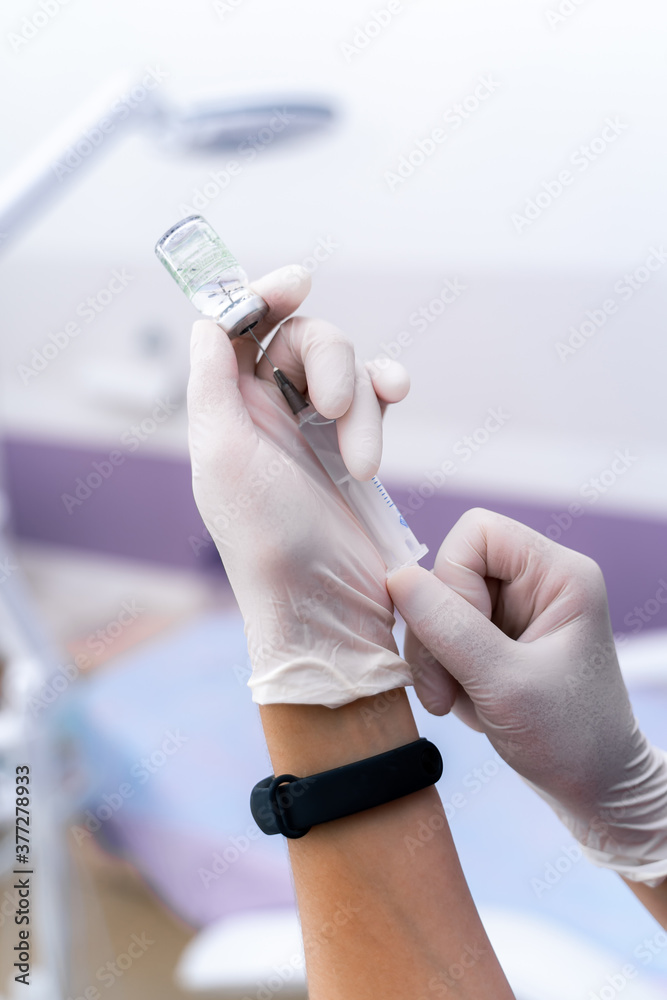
(203, 265)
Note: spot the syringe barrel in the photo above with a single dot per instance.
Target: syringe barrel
(368, 499)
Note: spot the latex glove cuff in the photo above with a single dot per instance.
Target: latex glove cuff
(651, 873)
(310, 652)
(628, 832)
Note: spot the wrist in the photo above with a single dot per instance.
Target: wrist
(307, 739)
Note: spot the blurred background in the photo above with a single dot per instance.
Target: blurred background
(476, 188)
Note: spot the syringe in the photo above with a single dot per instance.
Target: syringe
(204, 269)
(370, 502)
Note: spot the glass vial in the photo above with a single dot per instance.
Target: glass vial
(210, 275)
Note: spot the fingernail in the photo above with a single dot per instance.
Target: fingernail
(300, 272)
(365, 463)
(205, 338)
(415, 592)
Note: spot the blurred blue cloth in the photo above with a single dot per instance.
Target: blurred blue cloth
(174, 724)
(170, 745)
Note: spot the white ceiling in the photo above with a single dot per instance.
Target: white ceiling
(556, 87)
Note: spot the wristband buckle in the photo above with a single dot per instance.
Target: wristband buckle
(277, 807)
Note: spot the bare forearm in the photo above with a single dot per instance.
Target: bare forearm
(385, 909)
(655, 900)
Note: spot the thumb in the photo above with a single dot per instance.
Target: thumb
(434, 686)
(221, 431)
(459, 636)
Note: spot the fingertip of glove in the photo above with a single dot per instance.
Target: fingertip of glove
(390, 379)
(286, 286)
(205, 339)
(435, 700)
(435, 690)
(297, 272)
(436, 707)
(404, 580)
(362, 470)
(364, 464)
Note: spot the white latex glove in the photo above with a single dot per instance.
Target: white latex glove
(512, 631)
(310, 584)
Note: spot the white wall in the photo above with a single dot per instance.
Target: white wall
(496, 346)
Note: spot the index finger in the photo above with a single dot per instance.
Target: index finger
(317, 356)
(283, 290)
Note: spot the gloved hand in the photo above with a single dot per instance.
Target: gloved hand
(310, 584)
(512, 631)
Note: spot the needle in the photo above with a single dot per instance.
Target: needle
(249, 330)
(294, 398)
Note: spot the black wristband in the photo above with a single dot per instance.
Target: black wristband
(291, 806)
